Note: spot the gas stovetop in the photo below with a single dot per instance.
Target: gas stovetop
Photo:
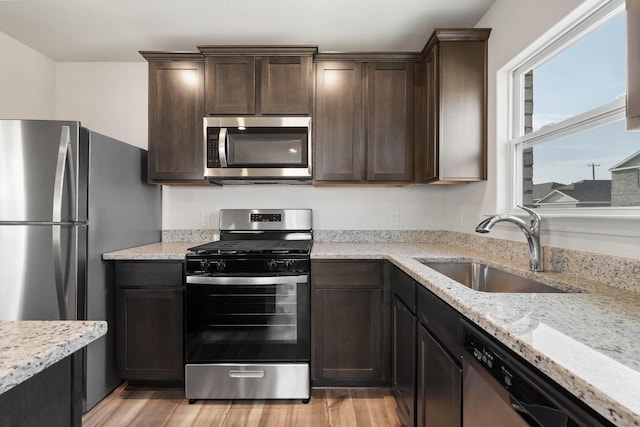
(256, 241)
(254, 247)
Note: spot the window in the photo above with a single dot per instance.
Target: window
(571, 146)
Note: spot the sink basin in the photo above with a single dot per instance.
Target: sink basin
(481, 277)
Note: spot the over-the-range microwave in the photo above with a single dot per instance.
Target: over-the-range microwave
(240, 150)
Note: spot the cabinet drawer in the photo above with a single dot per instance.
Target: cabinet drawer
(403, 286)
(154, 274)
(340, 274)
(441, 319)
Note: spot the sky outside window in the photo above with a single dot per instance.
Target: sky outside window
(588, 74)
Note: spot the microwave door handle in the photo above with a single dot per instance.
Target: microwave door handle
(222, 147)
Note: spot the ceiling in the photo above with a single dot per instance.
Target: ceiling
(115, 30)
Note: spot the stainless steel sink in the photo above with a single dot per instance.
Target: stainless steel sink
(481, 277)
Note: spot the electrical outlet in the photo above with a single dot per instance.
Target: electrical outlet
(395, 218)
(204, 219)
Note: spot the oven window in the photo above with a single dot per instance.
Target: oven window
(247, 322)
(267, 147)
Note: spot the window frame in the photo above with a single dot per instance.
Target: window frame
(604, 114)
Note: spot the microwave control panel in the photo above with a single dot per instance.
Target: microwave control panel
(213, 154)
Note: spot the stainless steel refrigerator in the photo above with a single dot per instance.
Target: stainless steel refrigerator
(68, 195)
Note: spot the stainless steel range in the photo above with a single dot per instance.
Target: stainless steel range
(247, 333)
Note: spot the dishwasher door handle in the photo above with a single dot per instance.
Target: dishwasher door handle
(541, 414)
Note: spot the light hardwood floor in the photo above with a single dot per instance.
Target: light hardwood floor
(327, 407)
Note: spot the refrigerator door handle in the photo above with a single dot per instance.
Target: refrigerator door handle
(64, 164)
(65, 160)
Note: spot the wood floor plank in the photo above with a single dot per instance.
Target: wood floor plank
(245, 413)
(184, 415)
(105, 407)
(368, 410)
(128, 410)
(340, 408)
(168, 408)
(212, 413)
(158, 408)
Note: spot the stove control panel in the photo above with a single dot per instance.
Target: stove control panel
(246, 266)
(266, 217)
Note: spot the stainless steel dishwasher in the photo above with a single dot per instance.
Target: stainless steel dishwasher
(500, 390)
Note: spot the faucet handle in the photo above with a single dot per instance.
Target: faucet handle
(535, 217)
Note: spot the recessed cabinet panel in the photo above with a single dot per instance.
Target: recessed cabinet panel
(439, 391)
(285, 84)
(349, 344)
(350, 324)
(230, 85)
(462, 111)
(453, 136)
(149, 327)
(389, 105)
(151, 347)
(176, 107)
(404, 364)
(339, 145)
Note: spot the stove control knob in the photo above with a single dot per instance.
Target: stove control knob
(220, 265)
(272, 265)
(204, 265)
(288, 264)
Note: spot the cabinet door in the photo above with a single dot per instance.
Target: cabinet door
(230, 86)
(338, 142)
(285, 84)
(633, 64)
(176, 108)
(149, 334)
(349, 324)
(461, 74)
(439, 391)
(403, 369)
(389, 138)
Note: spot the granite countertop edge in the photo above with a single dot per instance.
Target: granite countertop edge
(596, 323)
(31, 346)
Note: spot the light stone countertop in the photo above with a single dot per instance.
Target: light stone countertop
(174, 251)
(29, 347)
(585, 340)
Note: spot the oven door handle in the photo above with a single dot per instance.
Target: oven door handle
(255, 280)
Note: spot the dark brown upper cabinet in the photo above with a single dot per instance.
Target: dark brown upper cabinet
(176, 108)
(363, 118)
(451, 107)
(258, 80)
(633, 65)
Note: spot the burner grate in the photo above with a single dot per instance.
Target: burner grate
(254, 247)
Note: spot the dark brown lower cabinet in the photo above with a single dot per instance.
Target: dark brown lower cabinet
(404, 366)
(439, 388)
(349, 324)
(52, 397)
(149, 328)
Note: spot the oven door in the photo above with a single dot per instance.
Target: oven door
(247, 319)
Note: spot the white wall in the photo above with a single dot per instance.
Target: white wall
(339, 208)
(107, 97)
(27, 82)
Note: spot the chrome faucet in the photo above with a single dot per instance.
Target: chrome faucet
(531, 232)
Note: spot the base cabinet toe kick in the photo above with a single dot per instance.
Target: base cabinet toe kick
(247, 381)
